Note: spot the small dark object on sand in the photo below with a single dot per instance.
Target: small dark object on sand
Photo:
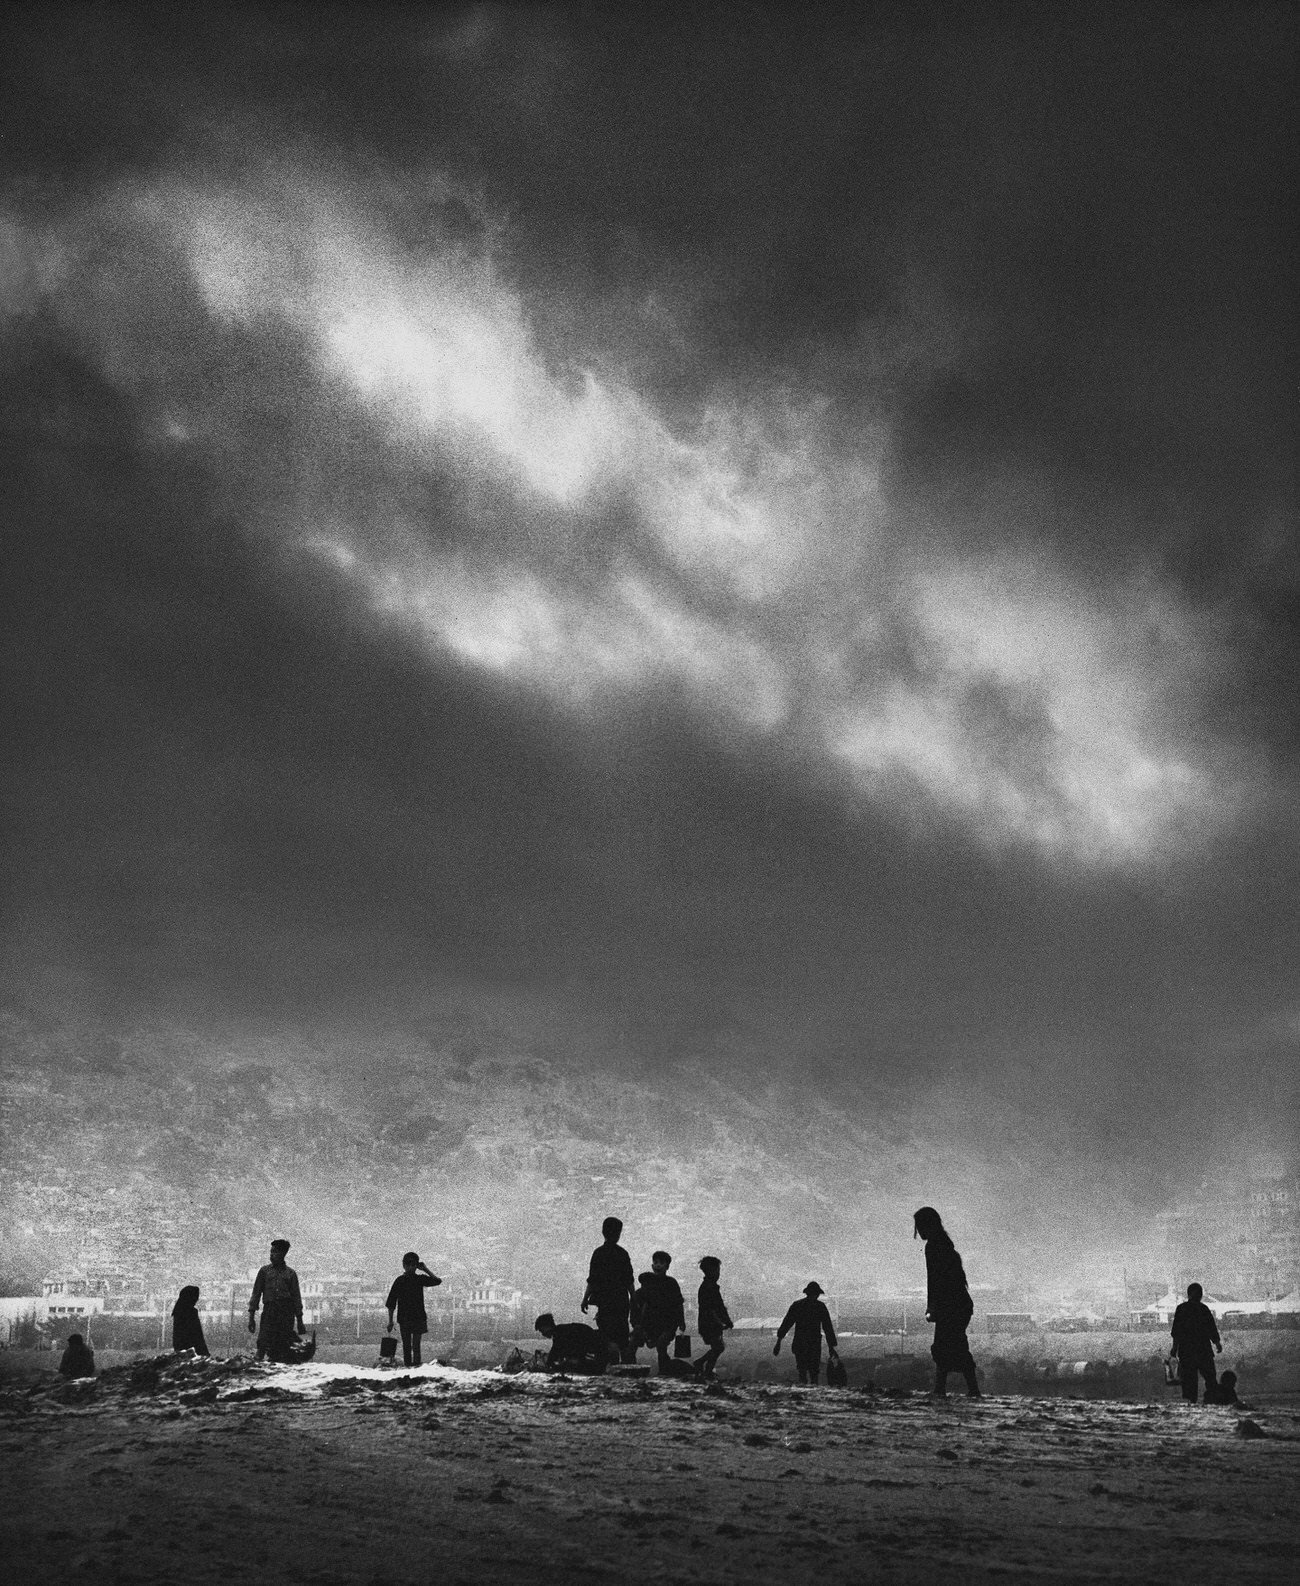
(1249, 1428)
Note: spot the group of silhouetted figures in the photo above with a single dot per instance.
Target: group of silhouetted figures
(649, 1311)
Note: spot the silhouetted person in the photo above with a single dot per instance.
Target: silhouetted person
(78, 1358)
(1226, 1392)
(810, 1319)
(406, 1298)
(947, 1303)
(1196, 1336)
(610, 1286)
(636, 1315)
(573, 1345)
(276, 1289)
(187, 1329)
(712, 1316)
(661, 1311)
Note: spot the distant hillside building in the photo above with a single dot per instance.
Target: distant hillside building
(492, 1299)
(1240, 1233)
(70, 1296)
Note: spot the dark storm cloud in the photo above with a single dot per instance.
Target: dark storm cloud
(688, 506)
(387, 409)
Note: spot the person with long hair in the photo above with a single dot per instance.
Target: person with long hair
(947, 1303)
(187, 1329)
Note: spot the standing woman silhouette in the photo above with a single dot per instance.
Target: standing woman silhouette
(947, 1303)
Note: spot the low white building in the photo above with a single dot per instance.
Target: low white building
(71, 1296)
(493, 1299)
(1163, 1309)
(1287, 1304)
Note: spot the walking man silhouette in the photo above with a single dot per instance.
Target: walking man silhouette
(810, 1319)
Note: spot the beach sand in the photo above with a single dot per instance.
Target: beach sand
(210, 1471)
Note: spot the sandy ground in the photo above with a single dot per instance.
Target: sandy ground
(208, 1471)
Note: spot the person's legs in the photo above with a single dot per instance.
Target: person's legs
(662, 1347)
(967, 1368)
(1206, 1365)
(275, 1337)
(612, 1325)
(809, 1362)
(951, 1352)
(1187, 1376)
(709, 1359)
(410, 1345)
(939, 1354)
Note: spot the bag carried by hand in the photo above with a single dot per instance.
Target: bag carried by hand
(1172, 1374)
(388, 1347)
(837, 1373)
(682, 1346)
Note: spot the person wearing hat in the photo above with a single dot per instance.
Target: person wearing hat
(810, 1319)
(712, 1316)
(947, 1303)
(276, 1289)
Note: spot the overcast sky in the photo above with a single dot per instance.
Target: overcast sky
(733, 519)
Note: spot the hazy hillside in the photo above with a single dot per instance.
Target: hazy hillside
(497, 1153)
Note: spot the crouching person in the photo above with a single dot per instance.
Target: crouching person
(78, 1358)
(574, 1346)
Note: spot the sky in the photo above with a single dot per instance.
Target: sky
(722, 519)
